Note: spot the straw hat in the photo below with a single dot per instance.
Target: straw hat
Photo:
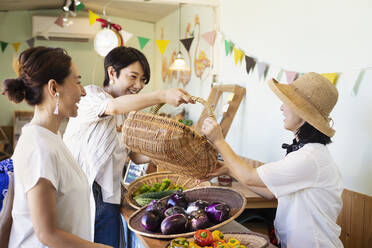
(312, 97)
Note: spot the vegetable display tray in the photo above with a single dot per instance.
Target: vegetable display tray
(231, 197)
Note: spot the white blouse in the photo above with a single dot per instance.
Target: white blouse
(42, 154)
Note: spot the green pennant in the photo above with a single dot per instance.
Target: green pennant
(280, 74)
(357, 83)
(3, 45)
(227, 47)
(232, 45)
(142, 41)
(79, 7)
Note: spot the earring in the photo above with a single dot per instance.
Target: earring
(111, 82)
(56, 111)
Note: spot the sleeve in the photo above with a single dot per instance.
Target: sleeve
(93, 105)
(291, 174)
(38, 164)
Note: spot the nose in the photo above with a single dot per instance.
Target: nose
(82, 90)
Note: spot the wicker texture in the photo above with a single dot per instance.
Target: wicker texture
(150, 179)
(231, 197)
(170, 143)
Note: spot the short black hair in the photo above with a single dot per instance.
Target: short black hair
(309, 134)
(121, 57)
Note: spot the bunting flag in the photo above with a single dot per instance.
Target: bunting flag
(80, 7)
(228, 45)
(162, 45)
(59, 21)
(3, 45)
(357, 83)
(92, 17)
(249, 63)
(238, 55)
(291, 76)
(331, 77)
(210, 37)
(187, 43)
(126, 36)
(16, 46)
(142, 41)
(280, 74)
(262, 70)
(31, 42)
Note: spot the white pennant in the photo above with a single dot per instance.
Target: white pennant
(126, 36)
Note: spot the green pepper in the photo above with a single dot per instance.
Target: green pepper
(179, 243)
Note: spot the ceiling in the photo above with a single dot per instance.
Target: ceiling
(141, 10)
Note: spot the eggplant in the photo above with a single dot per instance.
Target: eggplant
(177, 199)
(174, 210)
(156, 205)
(174, 224)
(151, 220)
(218, 212)
(199, 220)
(197, 205)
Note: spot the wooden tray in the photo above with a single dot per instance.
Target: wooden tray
(150, 179)
(233, 198)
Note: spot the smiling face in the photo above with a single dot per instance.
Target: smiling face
(131, 80)
(292, 121)
(70, 92)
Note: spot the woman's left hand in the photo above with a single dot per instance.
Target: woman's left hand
(221, 169)
(211, 129)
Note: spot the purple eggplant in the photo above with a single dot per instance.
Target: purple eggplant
(197, 205)
(218, 212)
(156, 205)
(199, 220)
(174, 210)
(151, 220)
(174, 224)
(177, 199)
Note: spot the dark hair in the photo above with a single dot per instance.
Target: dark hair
(309, 134)
(121, 57)
(36, 66)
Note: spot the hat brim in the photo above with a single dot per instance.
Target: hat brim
(288, 95)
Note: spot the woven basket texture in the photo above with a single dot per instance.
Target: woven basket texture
(184, 181)
(231, 197)
(170, 143)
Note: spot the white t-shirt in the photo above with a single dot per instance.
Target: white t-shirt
(94, 142)
(308, 186)
(42, 154)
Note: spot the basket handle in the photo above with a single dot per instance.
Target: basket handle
(194, 98)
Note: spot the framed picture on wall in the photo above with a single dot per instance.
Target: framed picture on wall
(20, 119)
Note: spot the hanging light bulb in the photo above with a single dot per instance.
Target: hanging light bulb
(179, 63)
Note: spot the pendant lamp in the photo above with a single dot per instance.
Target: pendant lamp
(179, 63)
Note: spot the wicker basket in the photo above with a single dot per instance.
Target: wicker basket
(233, 198)
(184, 181)
(170, 143)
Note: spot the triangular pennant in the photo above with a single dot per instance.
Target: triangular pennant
(31, 42)
(126, 36)
(162, 45)
(187, 43)
(59, 21)
(280, 74)
(262, 69)
(331, 77)
(92, 17)
(3, 45)
(79, 7)
(16, 46)
(291, 76)
(238, 55)
(357, 83)
(227, 47)
(249, 63)
(210, 37)
(142, 41)
(231, 47)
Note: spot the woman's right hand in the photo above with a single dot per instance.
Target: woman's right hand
(176, 96)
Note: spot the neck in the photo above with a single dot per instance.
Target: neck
(110, 91)
(44, 117)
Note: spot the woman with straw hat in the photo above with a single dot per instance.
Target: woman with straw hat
(307, 182)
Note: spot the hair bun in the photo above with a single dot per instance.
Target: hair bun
(15, 89)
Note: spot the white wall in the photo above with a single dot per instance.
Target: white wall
(320, 36)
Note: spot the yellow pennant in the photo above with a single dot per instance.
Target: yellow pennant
(162, 45)
(238, 55)
(16, 46)
(92, 17)
(331, 77)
